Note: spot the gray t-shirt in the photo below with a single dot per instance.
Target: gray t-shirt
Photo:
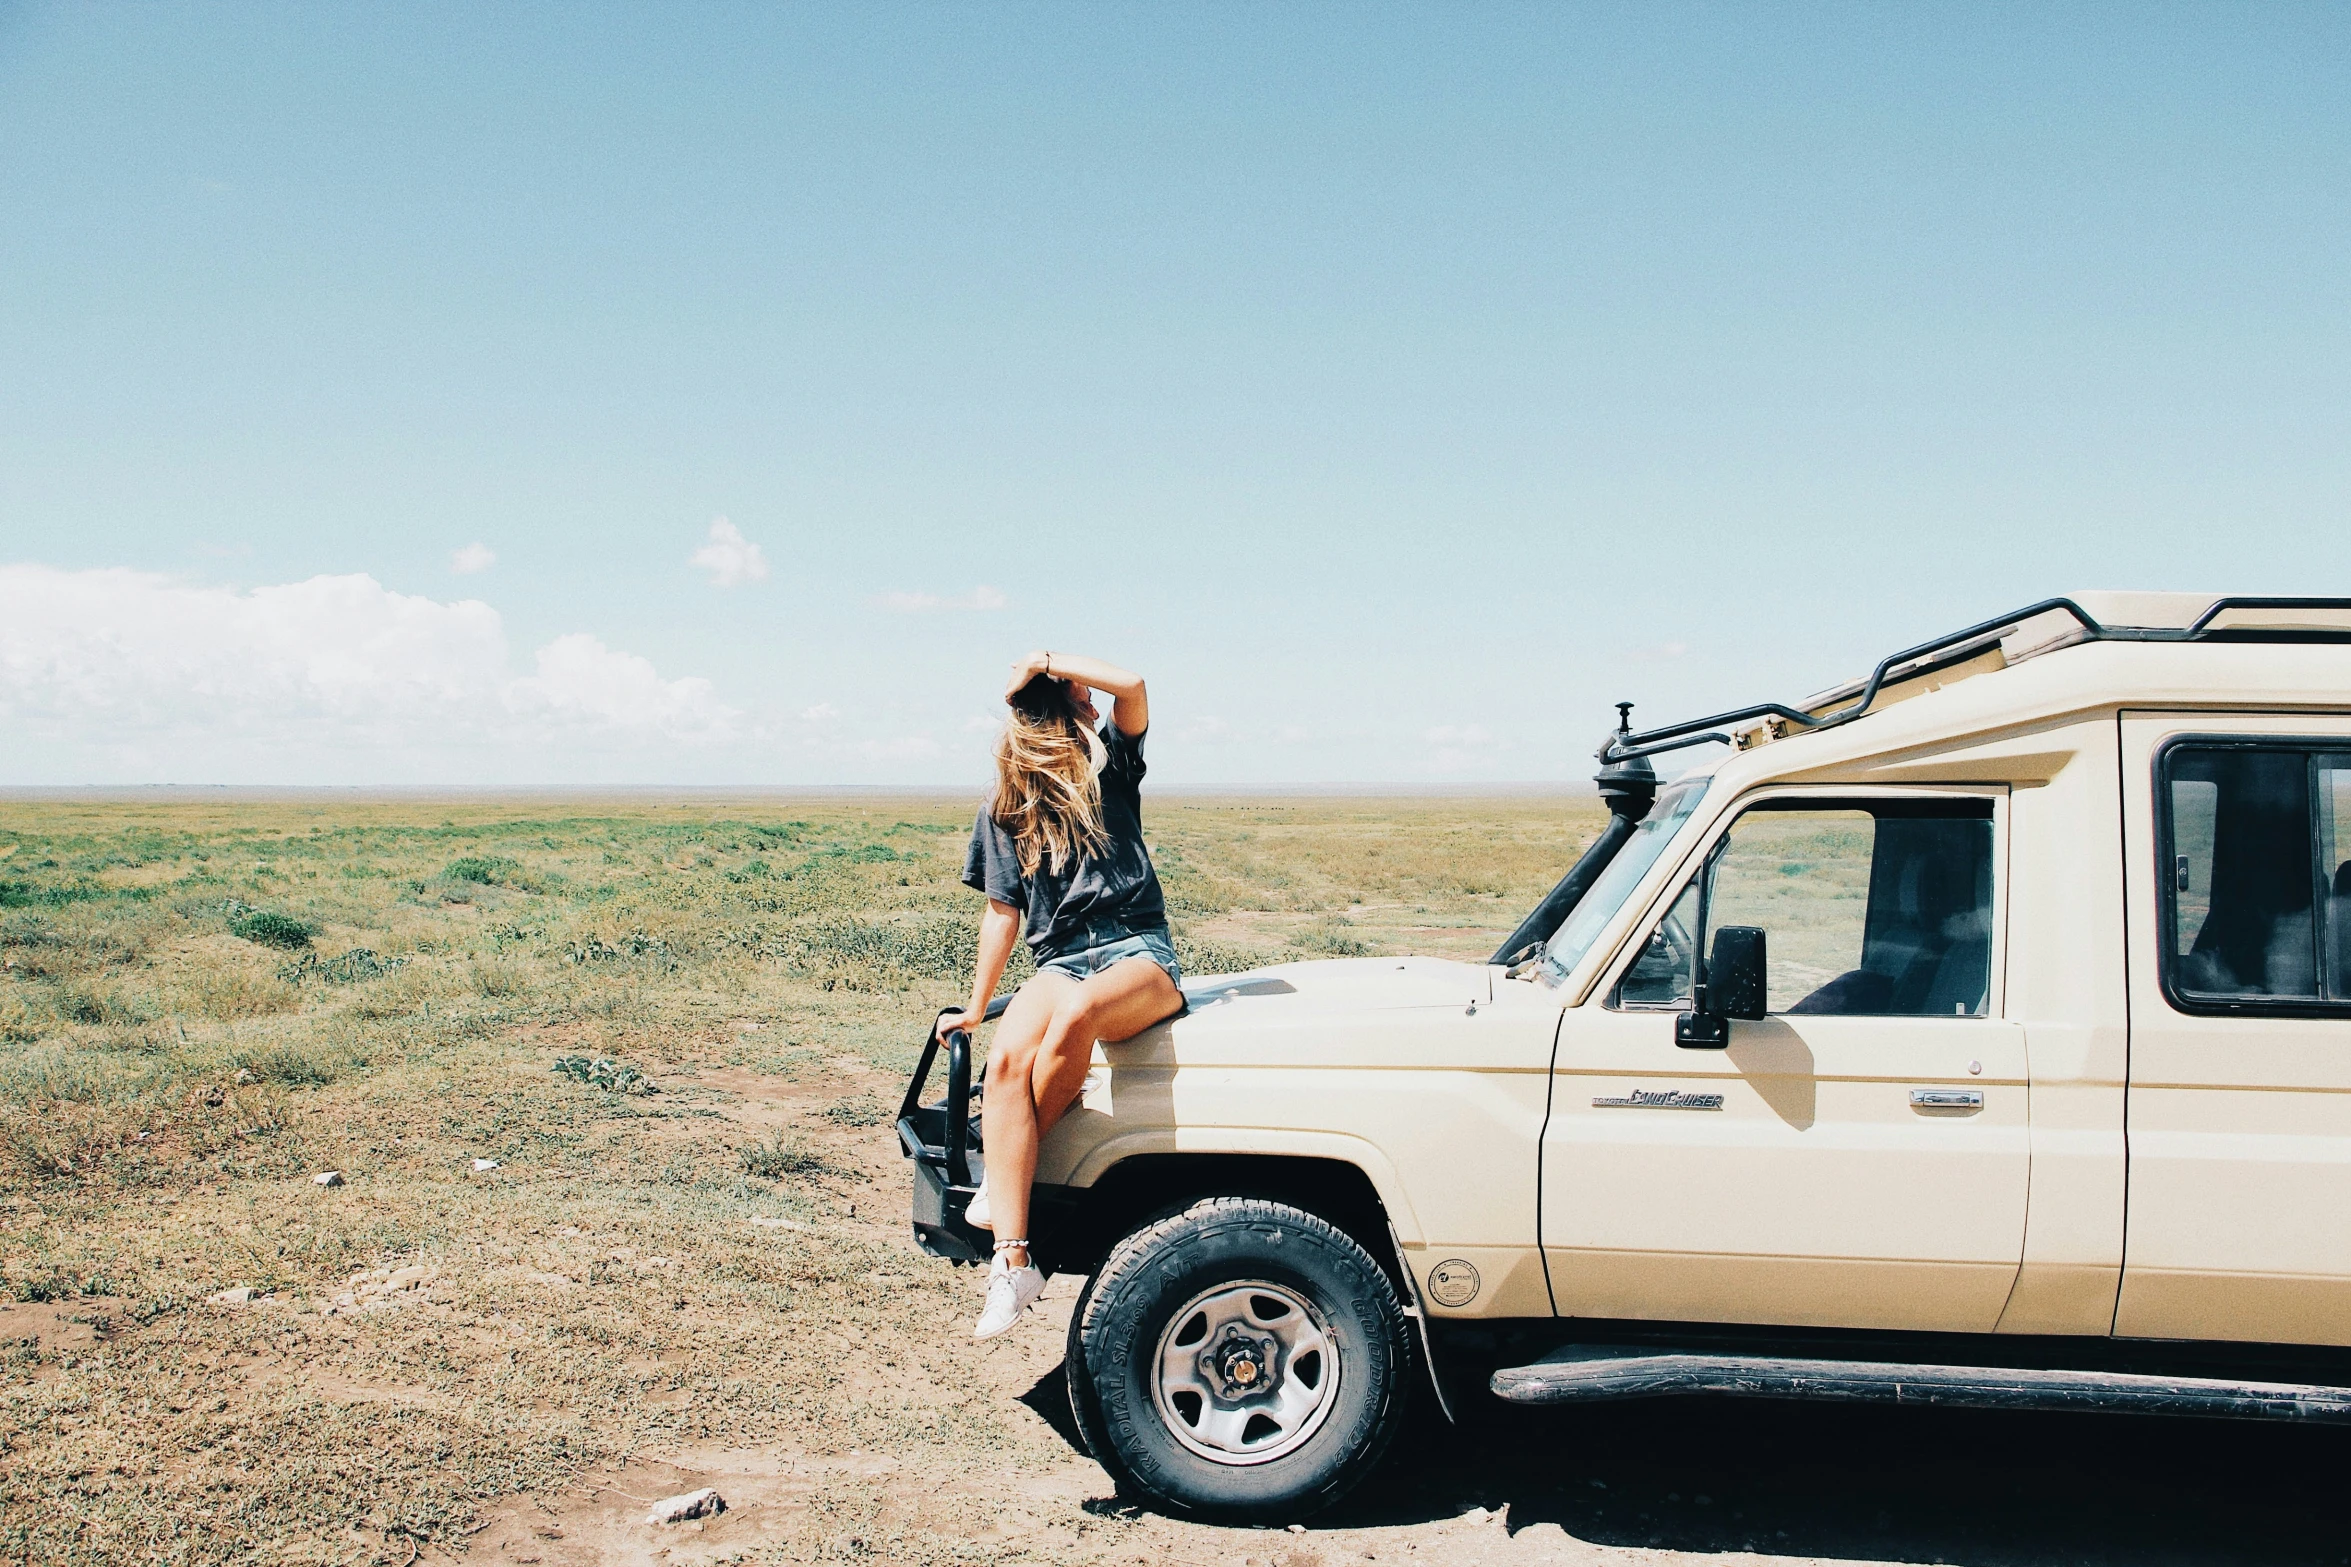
(1116, 888)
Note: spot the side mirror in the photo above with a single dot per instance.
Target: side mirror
(1733, 988)
(1735, 973)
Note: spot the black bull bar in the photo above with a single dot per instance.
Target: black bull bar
(943, 1140)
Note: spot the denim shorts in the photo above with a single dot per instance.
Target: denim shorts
(1108, 944)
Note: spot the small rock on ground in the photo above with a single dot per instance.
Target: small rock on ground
(327, 1178)
(705, 1503)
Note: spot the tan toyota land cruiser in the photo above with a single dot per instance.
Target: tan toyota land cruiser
(1975, 1033)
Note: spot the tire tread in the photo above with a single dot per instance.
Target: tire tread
(1105, 1293)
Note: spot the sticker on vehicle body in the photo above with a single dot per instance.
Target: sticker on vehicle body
(1658, 1099)
(1453, 1282)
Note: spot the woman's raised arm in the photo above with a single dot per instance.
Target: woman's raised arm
(1130, 705)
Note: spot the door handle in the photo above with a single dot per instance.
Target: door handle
(1946, 1099)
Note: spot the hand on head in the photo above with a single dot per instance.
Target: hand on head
(1034, 687)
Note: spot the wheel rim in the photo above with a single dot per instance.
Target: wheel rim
(1245, 1372)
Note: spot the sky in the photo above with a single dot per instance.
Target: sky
(570, 394)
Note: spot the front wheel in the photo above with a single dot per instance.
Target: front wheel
(1241, 1359)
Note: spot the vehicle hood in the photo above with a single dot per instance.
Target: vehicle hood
(1293, 991)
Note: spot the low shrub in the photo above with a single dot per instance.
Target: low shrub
(636, 945)
(26, 894)
(269, 928)
(483, 870)
(776, 1157)
(48, 1284)
(603, 1072)
(357, 964)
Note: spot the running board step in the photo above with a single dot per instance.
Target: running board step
(1587, 1372)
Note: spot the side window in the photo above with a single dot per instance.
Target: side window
(2257, 874)
(1869, 908)
(1803, 876)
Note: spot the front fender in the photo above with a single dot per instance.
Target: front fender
(1090, 1159)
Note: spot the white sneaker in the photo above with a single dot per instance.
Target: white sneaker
(976, 1213)
(1011, 1291)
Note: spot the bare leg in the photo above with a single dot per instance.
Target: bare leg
(1008, 1110)
(1039, 1076)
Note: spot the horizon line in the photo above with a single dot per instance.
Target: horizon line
(39, 792)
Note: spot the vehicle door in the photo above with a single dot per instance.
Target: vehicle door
(1856, 1158)
(2238, 876)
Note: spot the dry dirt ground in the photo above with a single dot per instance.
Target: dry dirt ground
(713, 1284)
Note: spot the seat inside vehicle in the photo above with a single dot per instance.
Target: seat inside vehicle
(2255, 938)
(1927, 938)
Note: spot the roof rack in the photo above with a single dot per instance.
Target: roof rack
(1959, 646)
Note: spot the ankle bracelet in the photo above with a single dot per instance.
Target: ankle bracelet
(1009, 1245)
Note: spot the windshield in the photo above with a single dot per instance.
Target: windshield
(1624, 873)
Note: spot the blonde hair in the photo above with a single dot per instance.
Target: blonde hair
(1049, 779)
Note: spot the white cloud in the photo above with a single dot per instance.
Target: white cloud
(731, 559)
(820, 712)
(135, 674)
(982, 597)
(580, 681)
(475, 557)
(981, 724)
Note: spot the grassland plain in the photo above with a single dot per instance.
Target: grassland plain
(203, 1006)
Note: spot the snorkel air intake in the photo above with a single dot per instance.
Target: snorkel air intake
(1628, 788)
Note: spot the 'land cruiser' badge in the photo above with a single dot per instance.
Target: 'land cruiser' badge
(1659, 1099)
(1453, 1282)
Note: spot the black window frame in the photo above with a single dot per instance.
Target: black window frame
(2167, 959)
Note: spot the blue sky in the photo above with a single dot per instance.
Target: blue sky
(1396, 387)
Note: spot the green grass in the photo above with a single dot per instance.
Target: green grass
(175, 1065)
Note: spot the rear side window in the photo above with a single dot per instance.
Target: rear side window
(2256, 876)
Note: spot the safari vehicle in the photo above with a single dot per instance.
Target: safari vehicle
(1975, 1033)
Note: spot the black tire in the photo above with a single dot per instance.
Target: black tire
(1239, 1270)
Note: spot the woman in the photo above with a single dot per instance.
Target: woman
(1059, 848)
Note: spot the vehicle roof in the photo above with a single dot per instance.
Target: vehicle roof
(2088, 652)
